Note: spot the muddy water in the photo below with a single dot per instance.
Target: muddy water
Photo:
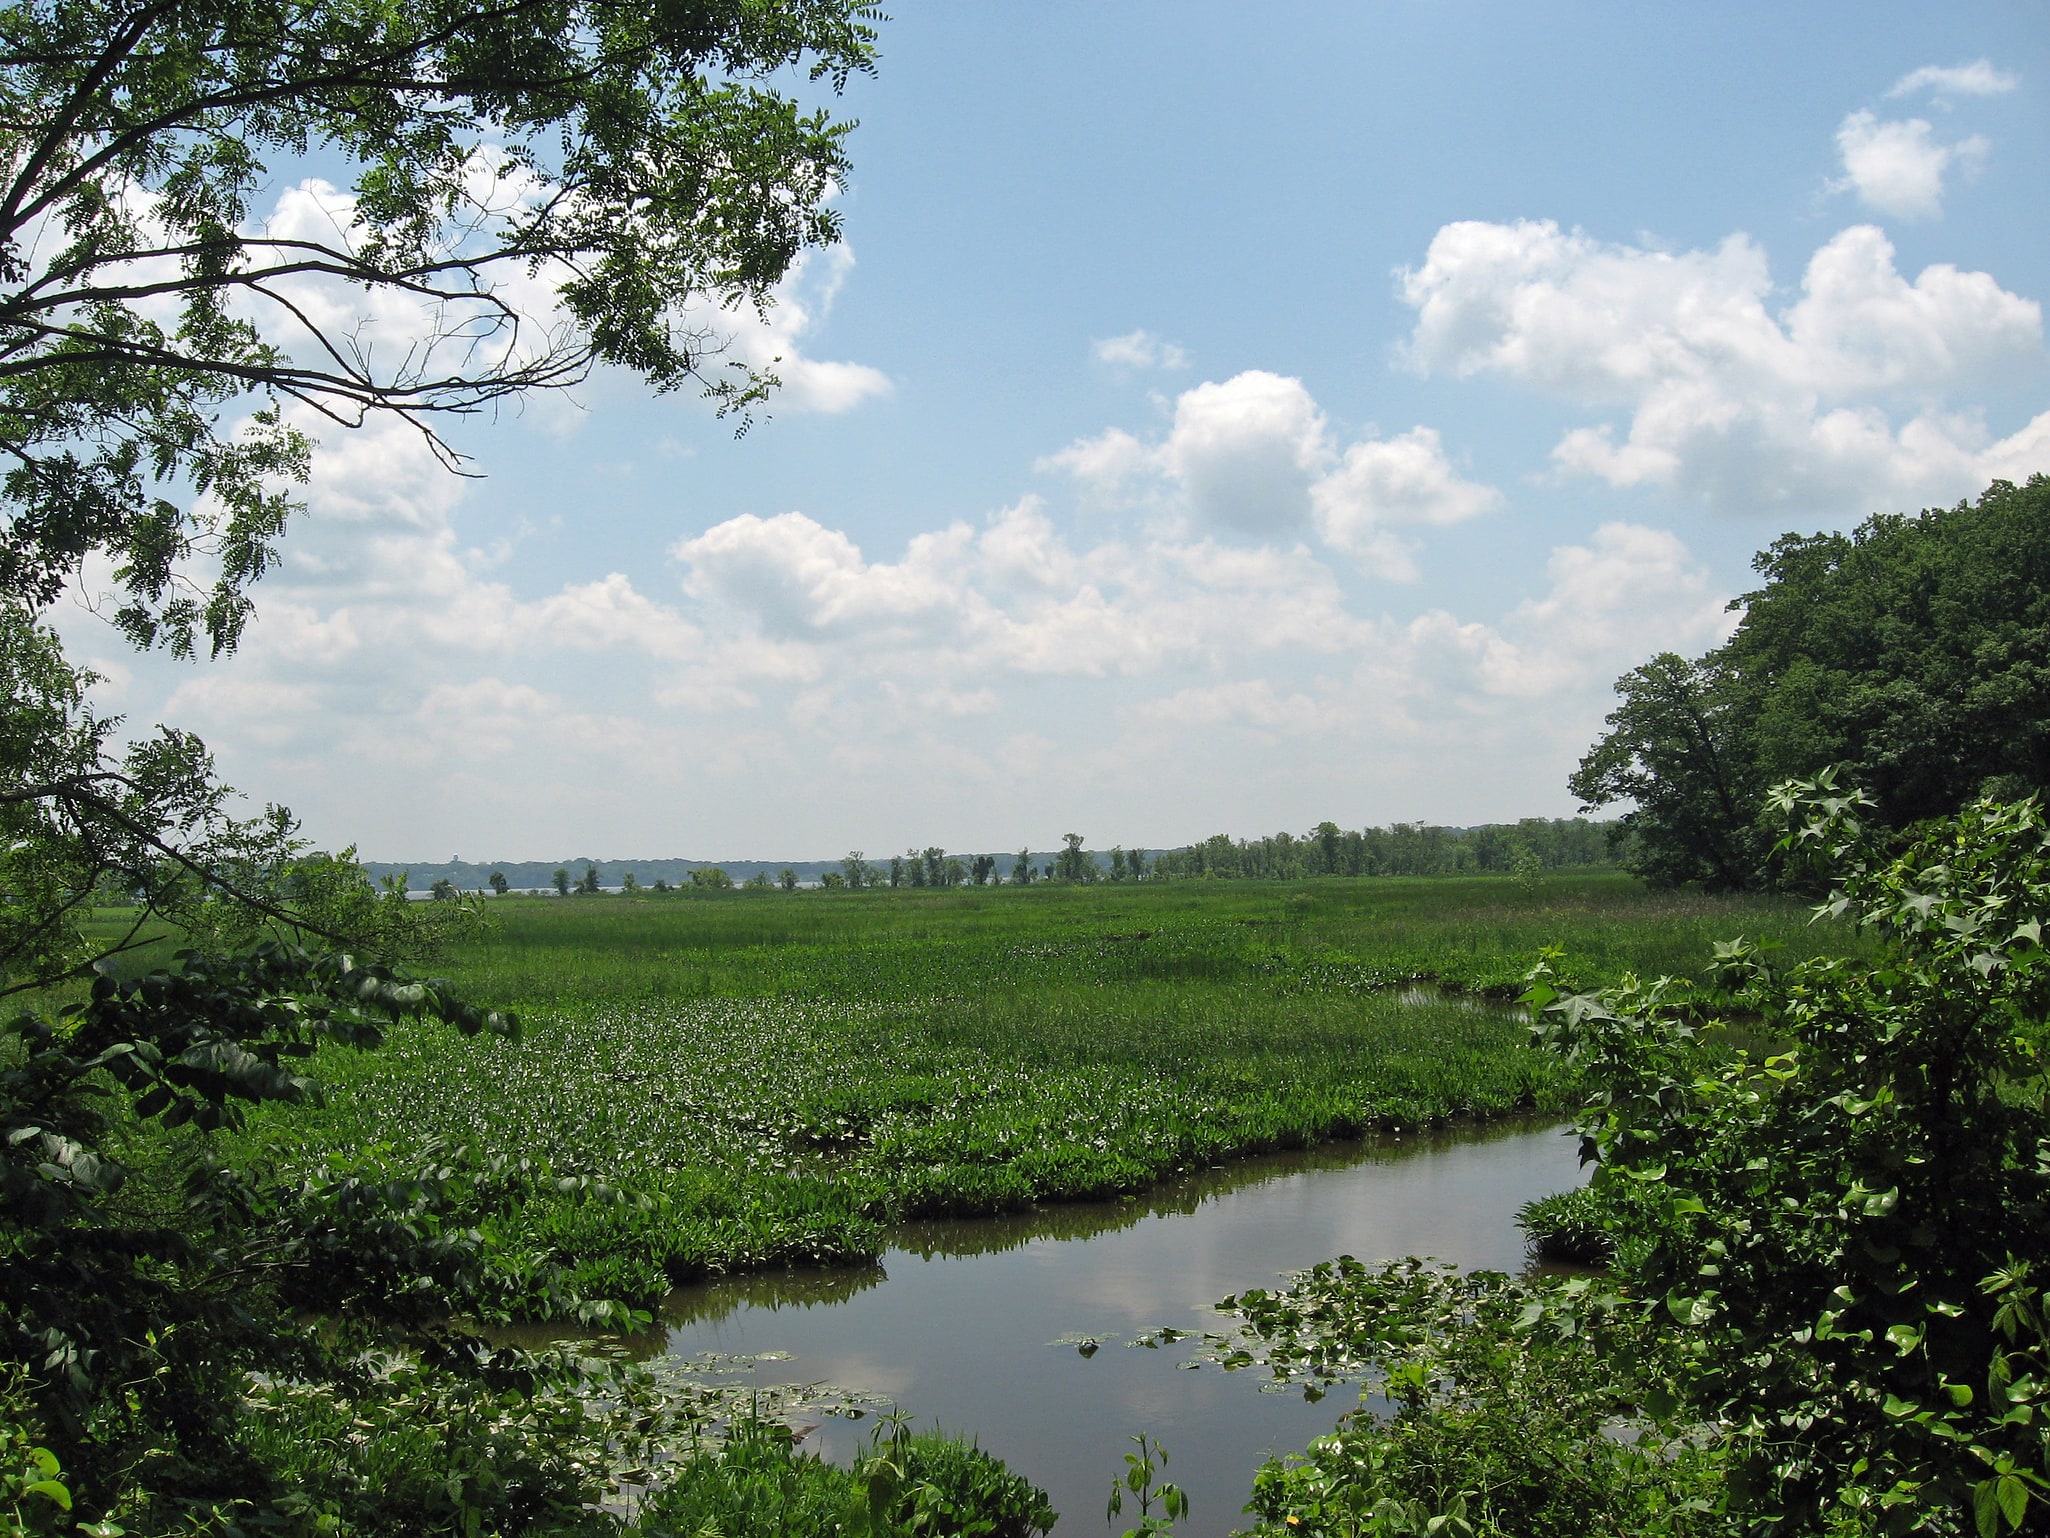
(972, 1325)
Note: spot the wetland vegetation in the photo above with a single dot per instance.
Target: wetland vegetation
(777, 1077)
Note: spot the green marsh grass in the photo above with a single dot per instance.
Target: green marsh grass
(776, 1078)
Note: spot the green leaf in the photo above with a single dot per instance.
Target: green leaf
(2014, 1499)
(1986, 1508)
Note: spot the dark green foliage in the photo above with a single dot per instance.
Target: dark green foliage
(1914, 653)
(1849, 1235)
(1827, 1314)
(760, 1485)
(1571, 1226)
(1400, 849)
(1679, 748)
(144, 1274)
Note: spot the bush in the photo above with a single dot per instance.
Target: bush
(760, 1485)
(1829, 1315)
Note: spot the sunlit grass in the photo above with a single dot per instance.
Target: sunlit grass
(782, 1075)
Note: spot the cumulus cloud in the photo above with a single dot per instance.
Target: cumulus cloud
(1978, 78)
(1139, 350)
(1245, 451)
(1393, 481)
(392, 686)
(1838, 400)
(1012, 596)
(1254, 457)
(1898, 167)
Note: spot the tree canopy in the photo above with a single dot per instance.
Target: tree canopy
(1914, 652)
(508, 194)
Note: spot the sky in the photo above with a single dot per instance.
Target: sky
(1217, 419)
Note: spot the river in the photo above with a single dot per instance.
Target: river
(974, 1325)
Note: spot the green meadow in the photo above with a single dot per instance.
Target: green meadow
(728, 1081)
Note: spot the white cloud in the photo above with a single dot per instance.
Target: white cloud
(1254, 457)
(1255, 701)
(1139, 350)
(1837, 401)
(1245, 452)
(1402, 480)
(1898, 167)
(1979, 78)
(775, 340)
(391, 687)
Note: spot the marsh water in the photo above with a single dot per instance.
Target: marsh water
(977, 1325)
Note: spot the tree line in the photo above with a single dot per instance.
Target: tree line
(1401, 849)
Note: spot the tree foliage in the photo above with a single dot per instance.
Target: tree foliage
(629, 157)
(148, 830)
(1913, 651)
(144, 1276)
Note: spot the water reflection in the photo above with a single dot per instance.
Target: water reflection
(771, 1290)
(974, 1324)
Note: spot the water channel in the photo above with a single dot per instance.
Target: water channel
(974, 1325)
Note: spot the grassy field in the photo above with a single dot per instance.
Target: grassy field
(780, 1076)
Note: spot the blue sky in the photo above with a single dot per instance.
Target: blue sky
(1219, 418)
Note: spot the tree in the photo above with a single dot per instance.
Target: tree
(142, 1312)
(897, 876)
(587, 884)
(1913, 651)
(628, 156)
(981, 868)
(787, 879)
(1826, 1315)
(629, 883)
(934, 859)
(1135, 864)
(444, 890)
(1675, 747)
(711, 878)
(561, 880)
(1021, 868)
(499, 884)
(856, 871)
(1073, 862)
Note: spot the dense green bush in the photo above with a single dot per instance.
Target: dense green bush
(1850, 1233)
(1828, 1313)
(759, 1484)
